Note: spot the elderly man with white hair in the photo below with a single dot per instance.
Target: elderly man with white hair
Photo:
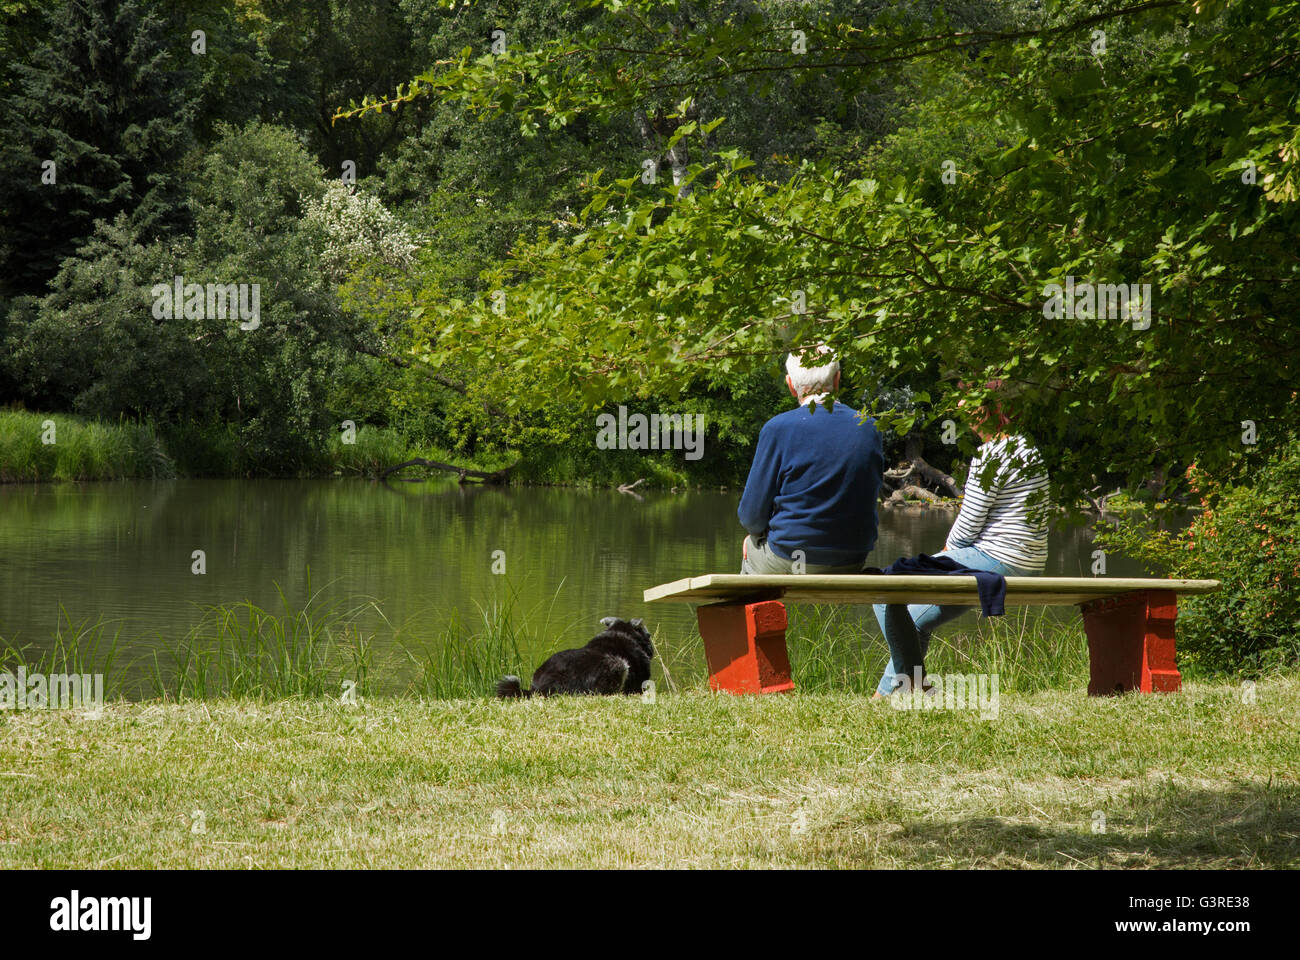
(812, 490)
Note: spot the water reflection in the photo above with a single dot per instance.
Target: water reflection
(124, 551)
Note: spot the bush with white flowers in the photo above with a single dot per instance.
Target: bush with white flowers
(357, 228)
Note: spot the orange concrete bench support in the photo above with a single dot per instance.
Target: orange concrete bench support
(1131, 643)
(1129, 622)
(744, 644)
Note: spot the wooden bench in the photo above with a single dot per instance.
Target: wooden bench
(1129, 622)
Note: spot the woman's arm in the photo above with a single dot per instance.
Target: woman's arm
(975, 506)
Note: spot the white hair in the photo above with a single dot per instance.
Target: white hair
(811, 380)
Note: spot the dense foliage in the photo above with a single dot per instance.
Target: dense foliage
(647, 203)
(90, 129)
(1149, 144)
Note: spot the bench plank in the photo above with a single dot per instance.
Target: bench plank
(902, 588)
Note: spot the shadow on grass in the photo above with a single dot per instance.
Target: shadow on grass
(1163, 826)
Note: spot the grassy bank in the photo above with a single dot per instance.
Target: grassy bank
(43, 447)
(76, 448)
(35, 446)
(81, 449)
(249, 756)
(1205, 778)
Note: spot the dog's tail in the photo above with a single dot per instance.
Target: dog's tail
(512, 686)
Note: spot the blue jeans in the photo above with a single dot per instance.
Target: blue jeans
(907, 627)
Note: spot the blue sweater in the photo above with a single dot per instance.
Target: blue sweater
(814, 485)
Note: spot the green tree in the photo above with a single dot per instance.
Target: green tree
(1087, 141)
(92, 346)
(102, 343)
(103, 100)
(477, 185)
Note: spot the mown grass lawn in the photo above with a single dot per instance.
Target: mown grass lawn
(1203, 778)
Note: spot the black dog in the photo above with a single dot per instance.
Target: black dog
(617, 660)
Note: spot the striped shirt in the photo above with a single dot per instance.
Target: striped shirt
(1003, 511)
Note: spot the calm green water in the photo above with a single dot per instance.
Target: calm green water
(123, 551)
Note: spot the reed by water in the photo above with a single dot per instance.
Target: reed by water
(335, 646)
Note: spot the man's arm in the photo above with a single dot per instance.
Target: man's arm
(761, 485)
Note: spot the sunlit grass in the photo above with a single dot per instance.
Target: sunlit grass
(249, 726)
(1205, 778)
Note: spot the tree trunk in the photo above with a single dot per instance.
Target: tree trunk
(912, 447)
(919, 493)
(900, 496)
(655, 131)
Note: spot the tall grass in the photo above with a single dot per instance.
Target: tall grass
(325, 646)
(374, 449)
(320, 649)
(1029, 649)
(78, 648)
(467, 660)
(92, 450)
(837, 648)
(80, 449)
(317, 649)
(460, 663)
(833, 648)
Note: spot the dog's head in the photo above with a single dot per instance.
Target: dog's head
(631, 628)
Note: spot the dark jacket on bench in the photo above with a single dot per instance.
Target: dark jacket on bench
(992, 587)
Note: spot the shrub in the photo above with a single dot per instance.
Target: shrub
(357, 228)
(1247, 537)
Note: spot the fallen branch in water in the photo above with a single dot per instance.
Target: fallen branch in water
(912, 490)
(628, 488)
(466, 474)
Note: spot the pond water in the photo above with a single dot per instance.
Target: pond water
(124, 551)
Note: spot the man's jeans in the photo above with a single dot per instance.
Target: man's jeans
(905, 626)
(759, 559)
